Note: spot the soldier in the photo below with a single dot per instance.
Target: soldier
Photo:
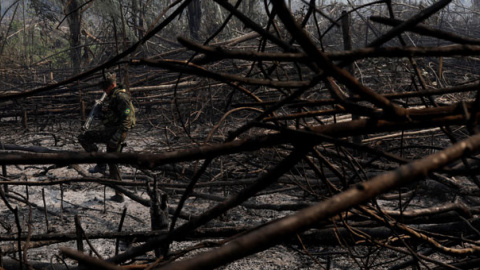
(118, 118)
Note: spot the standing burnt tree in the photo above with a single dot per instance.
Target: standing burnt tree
(361, 157)
(73, 13)
(194, 18)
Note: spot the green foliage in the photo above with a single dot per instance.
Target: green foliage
(30, 44)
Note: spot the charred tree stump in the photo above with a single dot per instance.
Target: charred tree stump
(120, 226)
(158, 214)
(82, 110)
(25, 119)
(79, 233)
(4, 170)
(347, 45)
(78, 230)
(4, 173)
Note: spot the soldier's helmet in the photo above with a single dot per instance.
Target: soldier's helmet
(109, 79)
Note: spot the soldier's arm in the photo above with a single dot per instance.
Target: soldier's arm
(125, 112)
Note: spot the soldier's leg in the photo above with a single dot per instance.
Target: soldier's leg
(89, 141)
(113, 168)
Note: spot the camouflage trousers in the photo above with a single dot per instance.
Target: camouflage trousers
(91, 138)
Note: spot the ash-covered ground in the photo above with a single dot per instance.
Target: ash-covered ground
(52, 208)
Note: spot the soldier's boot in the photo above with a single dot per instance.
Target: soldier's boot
(99, 168)
(115, 174)
(117, 198)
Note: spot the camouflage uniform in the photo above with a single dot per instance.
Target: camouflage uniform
(118, 119)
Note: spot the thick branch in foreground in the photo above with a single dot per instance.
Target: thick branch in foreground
(270, 234)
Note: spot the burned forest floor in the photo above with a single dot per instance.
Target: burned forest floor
(51, 215)
(52, 209)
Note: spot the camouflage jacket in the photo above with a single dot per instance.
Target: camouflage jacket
(120, 112)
